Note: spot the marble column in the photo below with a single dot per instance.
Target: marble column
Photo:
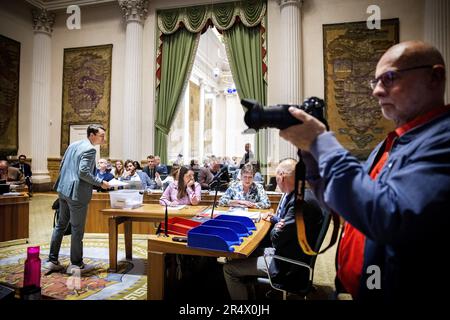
(216, 147)
(291, 69)
(186, 146)
(232, 141)
(437, 27)
(134, 12)
(201, 122)
(40, 95)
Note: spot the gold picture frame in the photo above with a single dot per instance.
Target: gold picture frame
(9, 96)
(351, 52)
(86, 92)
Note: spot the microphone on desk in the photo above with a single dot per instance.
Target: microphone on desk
(166, 220)
(218, 177)
(215, 183)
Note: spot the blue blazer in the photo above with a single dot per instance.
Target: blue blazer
(77, 172)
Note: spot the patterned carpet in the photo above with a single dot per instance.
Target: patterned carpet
(129, 283)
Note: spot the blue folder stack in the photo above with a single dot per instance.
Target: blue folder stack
(220, 233)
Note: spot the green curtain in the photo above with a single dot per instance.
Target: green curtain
(248, 44)
(244, 52)
(223, 16)
(178, 53)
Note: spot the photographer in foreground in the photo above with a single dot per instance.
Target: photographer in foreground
(397, 204)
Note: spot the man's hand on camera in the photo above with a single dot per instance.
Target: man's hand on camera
(303, 135)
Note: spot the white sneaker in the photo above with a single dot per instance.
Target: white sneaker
(74, 269)
(53, 266)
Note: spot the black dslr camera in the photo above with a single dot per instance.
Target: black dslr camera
(257, 117)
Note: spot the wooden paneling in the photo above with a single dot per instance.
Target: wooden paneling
(14, 217)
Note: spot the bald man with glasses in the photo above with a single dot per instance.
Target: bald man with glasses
(396, 205)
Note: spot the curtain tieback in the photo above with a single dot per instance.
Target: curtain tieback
(162, 128)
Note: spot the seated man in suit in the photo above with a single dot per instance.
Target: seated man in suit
(283, 237)
(25, 168)
(10, 174)
(160, 168)
(102, 171)
(150, 168)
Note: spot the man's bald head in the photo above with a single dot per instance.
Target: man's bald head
(411, 53)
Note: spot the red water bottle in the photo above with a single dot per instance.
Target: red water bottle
(32, 274)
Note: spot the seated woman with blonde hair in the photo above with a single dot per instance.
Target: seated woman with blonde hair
(245, 192)
(173, 176)
(183, 191)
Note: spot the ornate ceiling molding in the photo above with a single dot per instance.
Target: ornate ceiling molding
(63, 4)
(283, 3)
(43, 21)
(134, 10)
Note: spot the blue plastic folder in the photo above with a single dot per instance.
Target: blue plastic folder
(212, 238)
(220, 233)
(237, 227)
(246, 221)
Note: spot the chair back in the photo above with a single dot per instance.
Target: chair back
(272, 185)
(306, 284)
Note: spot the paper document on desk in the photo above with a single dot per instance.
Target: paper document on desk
(243, 212)
(233, 211)
(179, 207)
(116, 183)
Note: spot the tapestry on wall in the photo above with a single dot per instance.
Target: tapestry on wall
(9, 96)
(86, 91)
(351, 53)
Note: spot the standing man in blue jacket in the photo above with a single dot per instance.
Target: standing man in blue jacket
(74, 186)
(396, 205)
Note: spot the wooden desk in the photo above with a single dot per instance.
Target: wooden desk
(146, 213)
(14, 217)
(96, 222)
(158, 247)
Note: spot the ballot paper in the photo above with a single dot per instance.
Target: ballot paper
(116, 183)
(244, 212)
(234, 211)
(179, 207)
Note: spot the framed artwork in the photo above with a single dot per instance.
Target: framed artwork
(9, 96)
(351, 52)
(86, 91)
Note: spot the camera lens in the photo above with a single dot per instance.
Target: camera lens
(277, 116)
(257, 117)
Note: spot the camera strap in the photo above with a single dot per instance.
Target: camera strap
(299, 191)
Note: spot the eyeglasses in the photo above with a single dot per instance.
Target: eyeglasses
(388, 78)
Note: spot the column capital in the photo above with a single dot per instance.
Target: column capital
(284, 3)
(134, 10)
(43, 21)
